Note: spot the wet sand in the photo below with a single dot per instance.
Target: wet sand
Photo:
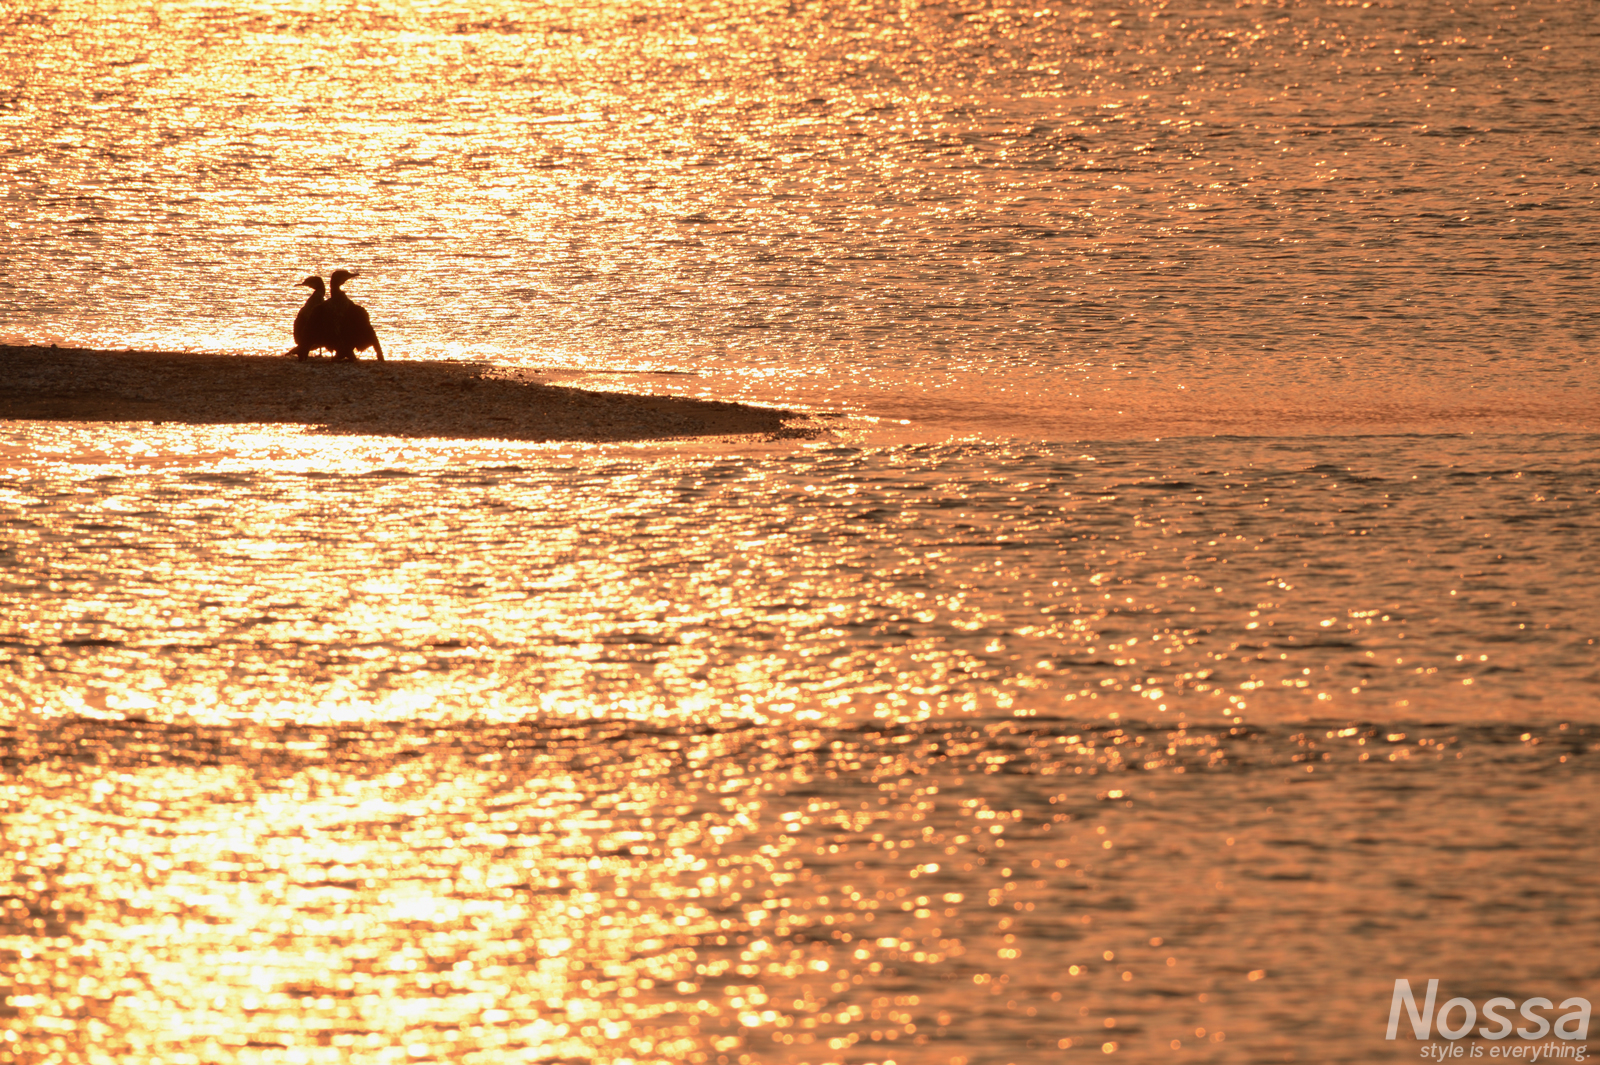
(394, 398)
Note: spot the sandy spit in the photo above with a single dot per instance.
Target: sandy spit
(394, 398)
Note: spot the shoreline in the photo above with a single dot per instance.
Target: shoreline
(396, 398)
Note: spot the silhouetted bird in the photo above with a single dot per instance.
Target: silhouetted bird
(310, 325)
(349, 327)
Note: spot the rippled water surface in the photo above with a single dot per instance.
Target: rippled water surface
(1202, 579)
(332, 749)
(1187, 628)
(1024, 204)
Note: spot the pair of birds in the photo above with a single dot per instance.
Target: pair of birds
(333, 321)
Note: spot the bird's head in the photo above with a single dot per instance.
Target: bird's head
(313, 282)
(339, 277)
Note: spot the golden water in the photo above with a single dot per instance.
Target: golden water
(1186, 628)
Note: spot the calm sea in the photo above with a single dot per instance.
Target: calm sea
(1183, 628)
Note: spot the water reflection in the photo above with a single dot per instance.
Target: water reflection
(932, 893)
(360, 751)
(844, 199)
(972, 753)
(1368, 577)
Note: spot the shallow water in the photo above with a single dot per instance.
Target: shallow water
(979, 891)
(334, 749)
(1186, 628)
(1024, 204)
(1192, 580)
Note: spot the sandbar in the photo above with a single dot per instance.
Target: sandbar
(395, 398)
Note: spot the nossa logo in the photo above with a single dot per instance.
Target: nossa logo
(1457, 1016)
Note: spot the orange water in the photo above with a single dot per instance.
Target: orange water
(1184, 627)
